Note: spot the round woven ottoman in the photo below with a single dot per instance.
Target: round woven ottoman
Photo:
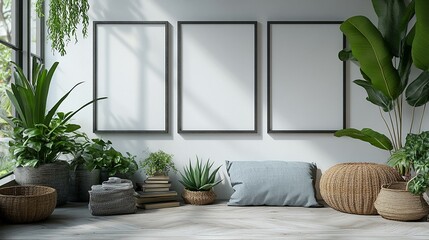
(353, 187)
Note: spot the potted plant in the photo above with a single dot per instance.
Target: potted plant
(113, 163)
(385, 56)
(404, 201)
(158, 163)
(85, 170)
(39, 136)
(199, 182)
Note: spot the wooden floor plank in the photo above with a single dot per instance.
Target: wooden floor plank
(216, 221)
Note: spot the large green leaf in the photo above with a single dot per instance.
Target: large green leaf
(404, 67)
(53, 110)
(420, 50)
(373, 55)
(374, 96)
(408, 15)
(42, 90)
(367, 135)
(390, 14)
(417, 93)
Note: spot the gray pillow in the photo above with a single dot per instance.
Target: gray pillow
(275, 183)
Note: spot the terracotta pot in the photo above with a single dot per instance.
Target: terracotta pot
(394, 202)
(199, 197)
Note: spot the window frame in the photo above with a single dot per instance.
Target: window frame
(21, 48)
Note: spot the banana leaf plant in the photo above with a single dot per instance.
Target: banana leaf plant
(385, 55)
(39, 135)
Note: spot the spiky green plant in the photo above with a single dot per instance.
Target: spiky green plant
(199, 178)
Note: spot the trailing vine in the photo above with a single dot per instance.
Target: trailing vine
(64, 18)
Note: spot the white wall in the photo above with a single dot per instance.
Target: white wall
(323, 149)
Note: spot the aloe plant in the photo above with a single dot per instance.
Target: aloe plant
(198, 177)
(385, 55)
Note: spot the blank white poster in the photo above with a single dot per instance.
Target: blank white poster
(131, 72)
(217, 77)
(306, 77)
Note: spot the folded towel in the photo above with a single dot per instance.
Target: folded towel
(117, 183)
(115, 196)
(113, 180)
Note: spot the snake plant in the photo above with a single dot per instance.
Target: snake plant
(198, 177)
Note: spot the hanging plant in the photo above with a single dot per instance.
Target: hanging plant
(64, 18)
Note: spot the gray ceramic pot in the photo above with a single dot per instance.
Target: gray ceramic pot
(81, 181)
(55, 175)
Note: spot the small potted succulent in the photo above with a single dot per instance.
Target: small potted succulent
(158, 163)
(199, 181)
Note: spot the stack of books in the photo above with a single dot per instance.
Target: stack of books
(155, 193)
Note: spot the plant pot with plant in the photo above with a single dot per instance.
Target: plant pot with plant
(113, 163)
(385, 56)
(158, 163)
(85, 170)
(39, 136)
(404, 201)
(199, 182)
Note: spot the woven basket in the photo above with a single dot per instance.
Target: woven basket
(199, 197)
(25, 204)
(55, 175)
(396, 203)
(353, 187)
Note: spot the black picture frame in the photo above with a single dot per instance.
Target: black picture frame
(270, 127)
(180, 77)
(166, 89)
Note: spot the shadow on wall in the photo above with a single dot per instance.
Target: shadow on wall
(325, 149)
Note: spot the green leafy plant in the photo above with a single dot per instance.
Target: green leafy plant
(385, 56)
(198, 177)
(39, 136)
(81, 149)
(158, 163)
(41, 144)
(101, 154)
(63, 20)
(414, 155)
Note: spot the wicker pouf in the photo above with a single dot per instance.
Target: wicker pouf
(199, 197)
(353, 187)
(25, 204)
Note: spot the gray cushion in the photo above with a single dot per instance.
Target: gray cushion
(276, 183)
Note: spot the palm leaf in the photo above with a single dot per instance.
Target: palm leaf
(417, 92)
(374, 96)
(375, 59)
(420, 49)
(367, 135)
(390, 14)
